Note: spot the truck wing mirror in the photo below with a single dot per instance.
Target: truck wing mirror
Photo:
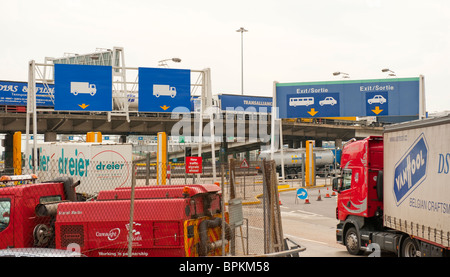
(337, 184)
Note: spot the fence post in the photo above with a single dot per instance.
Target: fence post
(222, 171)
(147, 169)
(232, 196)
(130, 229)
(273, 232)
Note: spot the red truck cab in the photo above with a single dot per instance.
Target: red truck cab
(19, 225)
(359, 202)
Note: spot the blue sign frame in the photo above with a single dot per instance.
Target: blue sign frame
(351, 98)
(164, 89)
(83, 87)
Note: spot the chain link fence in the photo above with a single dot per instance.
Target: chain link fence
(142, 209)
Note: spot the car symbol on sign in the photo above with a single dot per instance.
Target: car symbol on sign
(377, 99)
(328, 101)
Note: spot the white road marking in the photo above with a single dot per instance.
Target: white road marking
(292, 236)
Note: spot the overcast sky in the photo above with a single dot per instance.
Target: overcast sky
(288, 41)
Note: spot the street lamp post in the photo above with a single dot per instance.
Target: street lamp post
(242, 30)
(391, 73)
(344, 75)
(163, 63)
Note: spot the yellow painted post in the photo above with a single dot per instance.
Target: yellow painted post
(98, 136)
(309, 164)
(94, 137)
(17, 153)
(161, 159)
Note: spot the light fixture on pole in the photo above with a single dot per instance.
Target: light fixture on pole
(163, 63)
(391, 73)
(344, 75)
(242, 30)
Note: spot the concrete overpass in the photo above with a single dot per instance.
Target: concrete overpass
(295, 133)
(52, 123)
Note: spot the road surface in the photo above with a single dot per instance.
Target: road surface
(312, 225)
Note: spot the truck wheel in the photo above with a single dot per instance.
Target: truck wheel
(352, 242)
(290, 173)
(409, 248)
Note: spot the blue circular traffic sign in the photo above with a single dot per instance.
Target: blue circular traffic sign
(302, 193)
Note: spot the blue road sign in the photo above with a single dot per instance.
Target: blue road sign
(378, 97)
(302, 193)
(15, 93)
(377, 103)
(245, 103)
(311, 103)
(83, 87)
(164, 89)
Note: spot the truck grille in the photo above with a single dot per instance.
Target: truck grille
(72, 234)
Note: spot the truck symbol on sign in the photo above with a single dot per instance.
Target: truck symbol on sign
(164, 90)
(82, 87)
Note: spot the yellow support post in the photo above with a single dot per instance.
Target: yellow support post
(94, 137)
(17, 153)
(161, 159)
(309, 164)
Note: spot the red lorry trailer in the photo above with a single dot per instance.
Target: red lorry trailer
(394, 193)
(168, 220)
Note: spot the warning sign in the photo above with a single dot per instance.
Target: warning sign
(193, 165)
(244, 164)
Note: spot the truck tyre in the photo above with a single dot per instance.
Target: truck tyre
(380, 185)
(291, 173)
(409, 248)
(353, 242)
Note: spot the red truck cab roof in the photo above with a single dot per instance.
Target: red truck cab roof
(360, 153)
(154, 192)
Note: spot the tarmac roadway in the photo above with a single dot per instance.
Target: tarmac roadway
(313, 225)
(310, 225)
